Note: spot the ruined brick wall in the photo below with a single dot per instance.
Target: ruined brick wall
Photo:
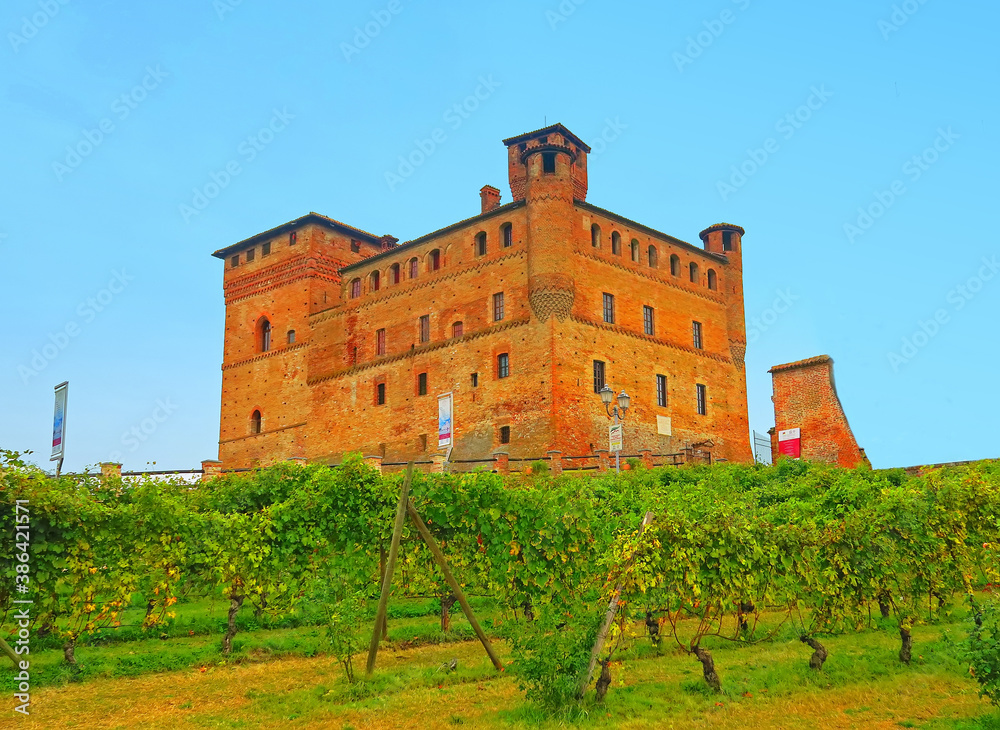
(805, 397)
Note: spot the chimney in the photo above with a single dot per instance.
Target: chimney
(490, 197)
(388, 242)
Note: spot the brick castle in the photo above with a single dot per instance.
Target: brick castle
(338, 340)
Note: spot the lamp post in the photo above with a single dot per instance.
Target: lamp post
(617, 412)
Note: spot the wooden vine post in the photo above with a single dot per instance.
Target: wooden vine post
(609, 617)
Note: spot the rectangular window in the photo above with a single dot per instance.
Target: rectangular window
(380, 342)
(647, 321)
(727, 240)
(549, 163)
(380, 394)
(355, 288)
(609, 308)
(498, 307)
(425, 328)
(598, 376)
(293, 237)
(505, 434)
(355, 246)
(265, 250)
(250, 254)
(457, 329)
(422, 384)
(508, 236)
(423, 442)
(234, 262)
(661, 391)
(702, 394)
(503, 365)
(696, 335)
(475, 380)
(481, 244)
(413, 268)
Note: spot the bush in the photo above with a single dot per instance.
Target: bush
(539, 468)
(984, 649)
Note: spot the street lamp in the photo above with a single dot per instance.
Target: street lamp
(617, 412)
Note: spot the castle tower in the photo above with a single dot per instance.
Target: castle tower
(727, 240)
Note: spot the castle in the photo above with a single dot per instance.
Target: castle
(338, 340)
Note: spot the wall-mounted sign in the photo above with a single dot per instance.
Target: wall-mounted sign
(59, 422)
(445, 420)
(790, 442)
(616, 437)
(663, 427)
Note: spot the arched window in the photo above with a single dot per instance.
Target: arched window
(291, 337)
(595, 236)
(635, 250)
(434, 260)
(675, 265)
(481, 243)
(694, 273)
(457, 329)
(713, 281)
(394, 274)
(616, 243)
(256, 422)
(264, 335)
(413, 268)
(355, 288)
(507, 235)
(652, 256)
(374, 281)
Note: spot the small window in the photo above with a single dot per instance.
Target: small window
(481, 243)
(380, 394)
(375, 281)
(265, 336)
(609, 308)
(379, 342)
(598, 376)
(265, 250)
(250, 254)
(696, 332)
(413, 268)
(616, 243)
(507, 233)
(425, 328)
(293, 238)
(694, 272)
(498, 307)
(675, 265)
(635, 251)
(475, 380)
(503, 365)
(422, 384)
(234, 262)
(648, 325)
(505, 434)
(394, 274)
(702, 396)
(457, 329)
(661, 391)
(727, 240)
(713, 280)
(652, 256)
(549, 163)
(355, 246)
(595, 236)
(256, 423)
(434, 262)
(355, 288)
(291, 337)
(423, 442)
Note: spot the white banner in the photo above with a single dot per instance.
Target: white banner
(616, 436)
(59, 422)
(445, 420)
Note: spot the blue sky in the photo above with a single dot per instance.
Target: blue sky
(115, 114)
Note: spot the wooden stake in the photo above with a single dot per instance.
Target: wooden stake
(455, 588)
(5, 647)
(602, 635)
(383, 601)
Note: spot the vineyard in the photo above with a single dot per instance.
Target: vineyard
(568, 575)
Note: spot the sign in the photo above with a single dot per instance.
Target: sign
(59, 422)
(663, 427)
(790, 443)
(445, 420)
(616, 437)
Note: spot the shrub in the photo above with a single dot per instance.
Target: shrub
(984, 649)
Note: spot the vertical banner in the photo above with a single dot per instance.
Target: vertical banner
(616, 438)
(59, 422)
(445, 420)
(790, 443)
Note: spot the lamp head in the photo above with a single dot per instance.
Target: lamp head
(607, 395)
(623, 400)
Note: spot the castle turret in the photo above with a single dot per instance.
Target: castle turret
(727, 240)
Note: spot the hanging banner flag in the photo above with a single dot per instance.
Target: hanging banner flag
(616, 437)
(59, 422)
(445, 420)
(790, 443)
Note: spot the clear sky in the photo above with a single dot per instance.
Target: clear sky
(855, 141)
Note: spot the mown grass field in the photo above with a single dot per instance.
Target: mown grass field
(281, 676)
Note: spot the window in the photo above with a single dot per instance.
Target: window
(727, 240)
(422, 384)
(265, 250)
(293, 238)
(713, 280)
(256, 423)
(413, 268)
(498, 307)
(265, 335)
(647, 321)
(661, 391)
(675, 265)
(475, 380)
(507, 233)
(595, 236)
(652, 256)
(609, 308)
(694, 272)
(598, 376)
(234, 261)
(423, 442)
(434, 260)
(394, 274)
(291, 337)
(379, 342)
(457, 329)
(505, 434)
(549, 163)
(355, 288)
(355, 246)
(503, 365)
(250, 254)
(696, 334)
(702, 395)
(616, 243)
(375, 281)
(425, 328)
(380, 394)
(481, 243)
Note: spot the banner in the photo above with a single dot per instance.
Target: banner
(616, 436)
(59, 422)
(790, 443)
(445, 421)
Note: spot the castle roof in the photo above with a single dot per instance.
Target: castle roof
(297, 223)
(819, 359)
(546, 130)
